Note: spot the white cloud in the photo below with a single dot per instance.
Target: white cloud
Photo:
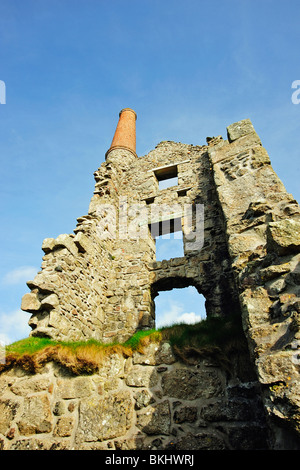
(189, 318)
(184, 305)
(175, 313)
(169, 316)
(20, 275)
(13, 326)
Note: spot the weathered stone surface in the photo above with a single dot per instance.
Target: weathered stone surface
(112, 366)
(75, 387)
(30, 303)
(37, 416)
(8, 409)
(239, 129)
(201, 441)
(131, 443)
(165, 354)
(67, 241)
(59, 408)
(234, 410)
(31, 385)
(45, 282)
(186, 414)
(155, 353)
(49, 302)
(273, 271)
(83, 243)
(284, 236)
(64, 427)
(143, 398)
(276, 286)
(263, 246)
(142, 377)
(48, 245)
(272, 368)
(256, 306)
(155, 419)
(40, 444)
(100, 411)
(192, 383)
(148, 356)
(104, 418)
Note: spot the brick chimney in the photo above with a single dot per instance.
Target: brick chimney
(125, 134)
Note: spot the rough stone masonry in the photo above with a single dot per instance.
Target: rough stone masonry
(241, 240)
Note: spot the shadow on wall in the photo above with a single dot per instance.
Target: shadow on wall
(195, 404)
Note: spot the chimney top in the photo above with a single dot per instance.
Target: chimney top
(128, 109)
(125, 134)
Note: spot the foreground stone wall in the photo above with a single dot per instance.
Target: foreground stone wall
(149, 401)
(263, 233)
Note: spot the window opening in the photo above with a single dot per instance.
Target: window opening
(167, 176)
(183, 305)
(183, 191)
(169, 248)
(149, 200)
(168, 238)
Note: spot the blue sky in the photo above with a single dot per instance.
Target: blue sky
(189, 68)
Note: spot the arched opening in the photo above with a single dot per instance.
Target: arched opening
(179, 305)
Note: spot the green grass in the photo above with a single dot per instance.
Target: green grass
(33, 345)
(29, 345)
(213, 332)
(136, 341)
(213, 336)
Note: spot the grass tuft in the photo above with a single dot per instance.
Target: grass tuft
(216, 338)
(141, 339)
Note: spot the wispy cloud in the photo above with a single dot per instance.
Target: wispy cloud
(19, 275)
(13, 326)
(174, 312)
(169, 316)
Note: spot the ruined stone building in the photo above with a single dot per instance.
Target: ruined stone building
(241, 240)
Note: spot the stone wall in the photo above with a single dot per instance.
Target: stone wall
(263, 232)
(148, 401)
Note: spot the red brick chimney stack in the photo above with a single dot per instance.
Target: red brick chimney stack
(125, 134)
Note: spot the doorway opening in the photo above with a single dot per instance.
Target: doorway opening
(179, 305)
